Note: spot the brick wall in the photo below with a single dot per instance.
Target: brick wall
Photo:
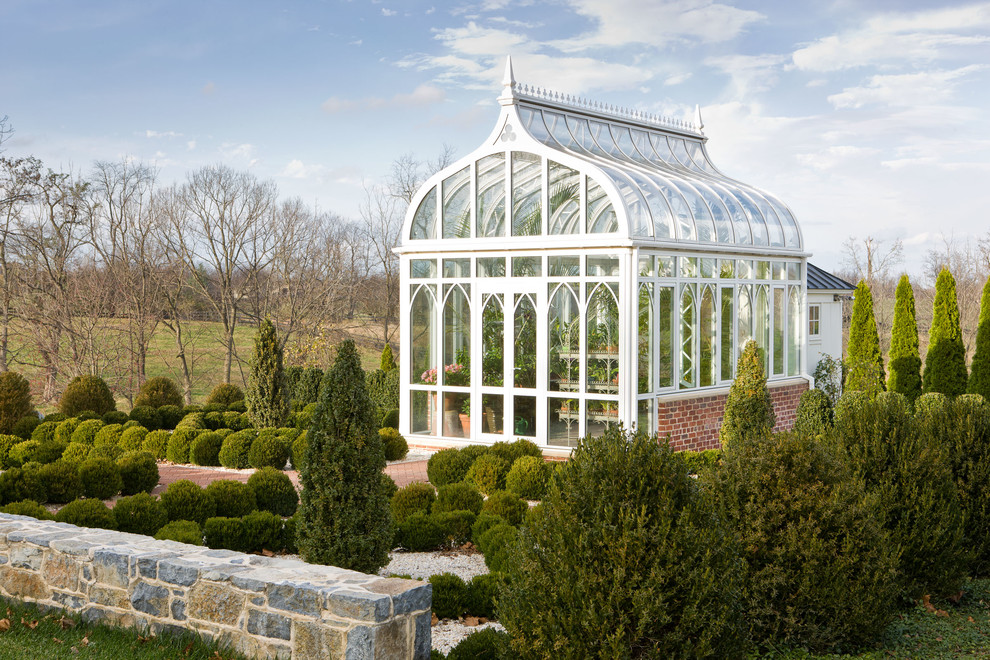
(694, 423)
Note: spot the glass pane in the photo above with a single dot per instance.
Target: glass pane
(688, 350)
(779, 272)
(644, 415)
(707, 268)
(424, 225)
(456, 415)
(423, 407)
(527, 191)
(491, 196)
(603, 338)
(457, 205)
(793, 271)
(492, 412)
(457, 268)
(565, 199)
(761, 324)
(565, 266)
(564, 317)
(645, 370)
(778, 331)
(563, 428)
(457, 338)
(524, 416)
(744, 268)
(665, 266)
(599, 266)
(423, 336)
(689, 266)
(527, 266)
(794, 332)
(600, 414)
(524, 345)
(665, 333)
(646, 266)
(744, 320)
(491, 267)
(706, 339)
(422, 268)
(727, 268)
(493, 342)
(601, 215)
(727, 354)
(763, 270)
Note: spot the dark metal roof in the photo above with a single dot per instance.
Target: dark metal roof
(819, 279)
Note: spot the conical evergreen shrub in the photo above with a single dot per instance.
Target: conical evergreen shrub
(388, 361)
(865, 363)
(945, 362)
(266, 398)
(345, 518)
(979, 377)
(905, 359)
(748, 408)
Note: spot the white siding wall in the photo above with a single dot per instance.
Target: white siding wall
(829, 339)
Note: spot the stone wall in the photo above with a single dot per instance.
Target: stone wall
(693, 422)
(261, 606)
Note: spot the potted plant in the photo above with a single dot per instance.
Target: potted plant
(465, 416)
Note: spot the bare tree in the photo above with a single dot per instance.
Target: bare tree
(19, 184)
(871, 258)
(6, 130)
(382, 216)
(966, 261)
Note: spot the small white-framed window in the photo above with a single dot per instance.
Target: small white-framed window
(814, 320)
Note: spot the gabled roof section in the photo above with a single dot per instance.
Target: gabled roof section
(821, 280)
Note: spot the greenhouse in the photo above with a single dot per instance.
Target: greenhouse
(587, 266)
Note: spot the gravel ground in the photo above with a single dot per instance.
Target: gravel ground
(421, 565)
(448, 633)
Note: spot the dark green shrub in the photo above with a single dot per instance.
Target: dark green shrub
(234, 421)
(419, 533)
(268, 450)
(183, 531)
(481, 595)
(157, 392)
(414, 498)
(86, 431)
(292, 376)
(114, 417)
(87, 513)
(505, 504)
(139, 514)
(487, 644)
(170, 416)
(482, 524)
(177, 450)
(383, 389)
(15, 399)
(473, 452)
(205, 449)
(100, 478)
(304, 417)
(289, 534)
(7, 443)
(138, 472)
(395, 445)
(458, 497)
(227, 533)
(107, 441)
(156, 443)
(28, 508)
(528, 477)
(299, 449)
(933, 408)
(148, 417)
(45, 432)
(864, 360)
(22, 452)
(61, 481)
(748, 408)
(273, 491)
(308, 387)
(814, 415)
(131, 423)
(86, 393)
(232, 499)
(189, 410)
(235, 448)
(193, 421)
(76, 452)
(132, 438)
(55, 417)
(488, 473)
(627, 550)
(65, 428)
(184, 500)
(18, 484)
(225, 394)
(455, 526)
(214, 420)
(698, 462)
(510, 452)
(449, 595)
(822, 569)
(447, 466)
(87, 415)
(391, 419)
(49, 452)
(266, 397)
(240, 407)
(945, 362)
(264, 531)
(979, 376)
(25, 426)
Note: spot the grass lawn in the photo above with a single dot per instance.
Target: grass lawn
(53, 635)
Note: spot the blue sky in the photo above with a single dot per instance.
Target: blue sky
(867, 118)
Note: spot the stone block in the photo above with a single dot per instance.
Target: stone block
(317, 642)
(61, 571)
(360, 644)
(407, 595)
(424, 636)
(68, 601)
(179, 610)
(110, 566)
(361, 605)
(218, 603)
(302, 599)
(26, 556)
(392, 639)
(178, 571)
(109, 596)
(24, 584)
(150, 599)
(269, 624)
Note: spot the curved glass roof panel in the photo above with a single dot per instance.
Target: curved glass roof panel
(640, 221)
(756, 221)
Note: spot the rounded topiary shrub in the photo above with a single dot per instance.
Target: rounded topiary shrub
(61, 481)
(138, 472)
(449, 595)
(239, 407)
(23, 452)
(232, 499)
(64, 429)
(205, 449)
(24, 427)
(49, 452)
(15, 399)
(264, 531)
(170, 416)
(139, 514)
(510, 452)
(487, 644)
(86, 431)
(156, 443)
(414, 498)
(76, 452)
(225, 394)
(87, 415)
(395, 445)
(482, 590)
(233, 421)
(447, 466)
(100, 478)
(814, 414)
(7, 443)
(193, 421)
(190, 409)
(305, 416)
(499, 545)
(268, 450)
(28, 508)
(184, 500)
(419, 533)
(183, 531)
(458, 497)
(235, 449)
(87, 513)
(391, 419)
(115, 417)
(455, 526)
(157, 392)
(107, 441)
(177, 450)
(226, 533)
(482, 524)
(299, 447)
(488, 473)
(273, 491)
(147, 417)
(528, 477)
(507, 505)
(86, 393)
(18, 484)
(132, 438)
(45, 432)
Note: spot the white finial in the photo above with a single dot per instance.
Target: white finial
(697, 117)
(509, 80)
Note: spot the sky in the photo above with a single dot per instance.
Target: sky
(867, 117)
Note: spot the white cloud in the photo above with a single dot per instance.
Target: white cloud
(833, 156)
(161, 134)
(388, 12)
(750, 74)
(907, 89)
(677, 79)
(239, 152)
(424, 95)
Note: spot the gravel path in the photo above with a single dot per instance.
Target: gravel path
(448, 633)
(421, 565)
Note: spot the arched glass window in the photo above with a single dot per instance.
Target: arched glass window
(564, 336)
(457, 205)
(491, 196)
(601, 215)
(493, 341)
(423, 334)
(794, 332)
(728, 356)
(689, 324)
(527, 192)
(524, 344)
(708, 368)
(779, 336)
(424, 225)
(457, 336)
(744, 321)
(761, 324)
(646, 342)
(565, 199)
(665, 336)
(602, 321)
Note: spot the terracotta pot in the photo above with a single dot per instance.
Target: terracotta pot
(466, 424)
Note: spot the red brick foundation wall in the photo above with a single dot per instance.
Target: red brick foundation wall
(694, 423)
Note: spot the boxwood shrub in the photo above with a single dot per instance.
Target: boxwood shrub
(138, 472)
(156, 443)
(205, 449)
(157, 392)
(264, 531)
(447, 466)
(184, 500)
(18, 484)
(114, 417)
(183, 531)
(64, 429)
(225, 394)
(455, 526)
(488, 473)
(232, 499)
(482, 590)
(49, 452)
(87, 513)
(510, 452)
(419, 533)
(268, 450)
(7, 442)
(299, 447)
(458, 497)
(414, 498)
(25, 426)
(86, 393)
(28, 508)
(107, 441)
(86, 431)
(482, 524)
(169, 416)
(528, 477)
(62, 481)
(76, 452)
(273, 491)
(131, 438)
(487, 644)
(507, 505)
(23, 452)
(227, 533)
(395, 445)
(44, 432)
(235, 449)
(147, 416)
(449, 595)
(177, 450)
(100, 478)
(139, 514)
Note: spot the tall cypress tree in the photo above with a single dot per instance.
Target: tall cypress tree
(345, 516)
(865, 363)
(388, 360)
(945, 362)
(266, 399)
(979, 377)
(748, 408)
(905, 358)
